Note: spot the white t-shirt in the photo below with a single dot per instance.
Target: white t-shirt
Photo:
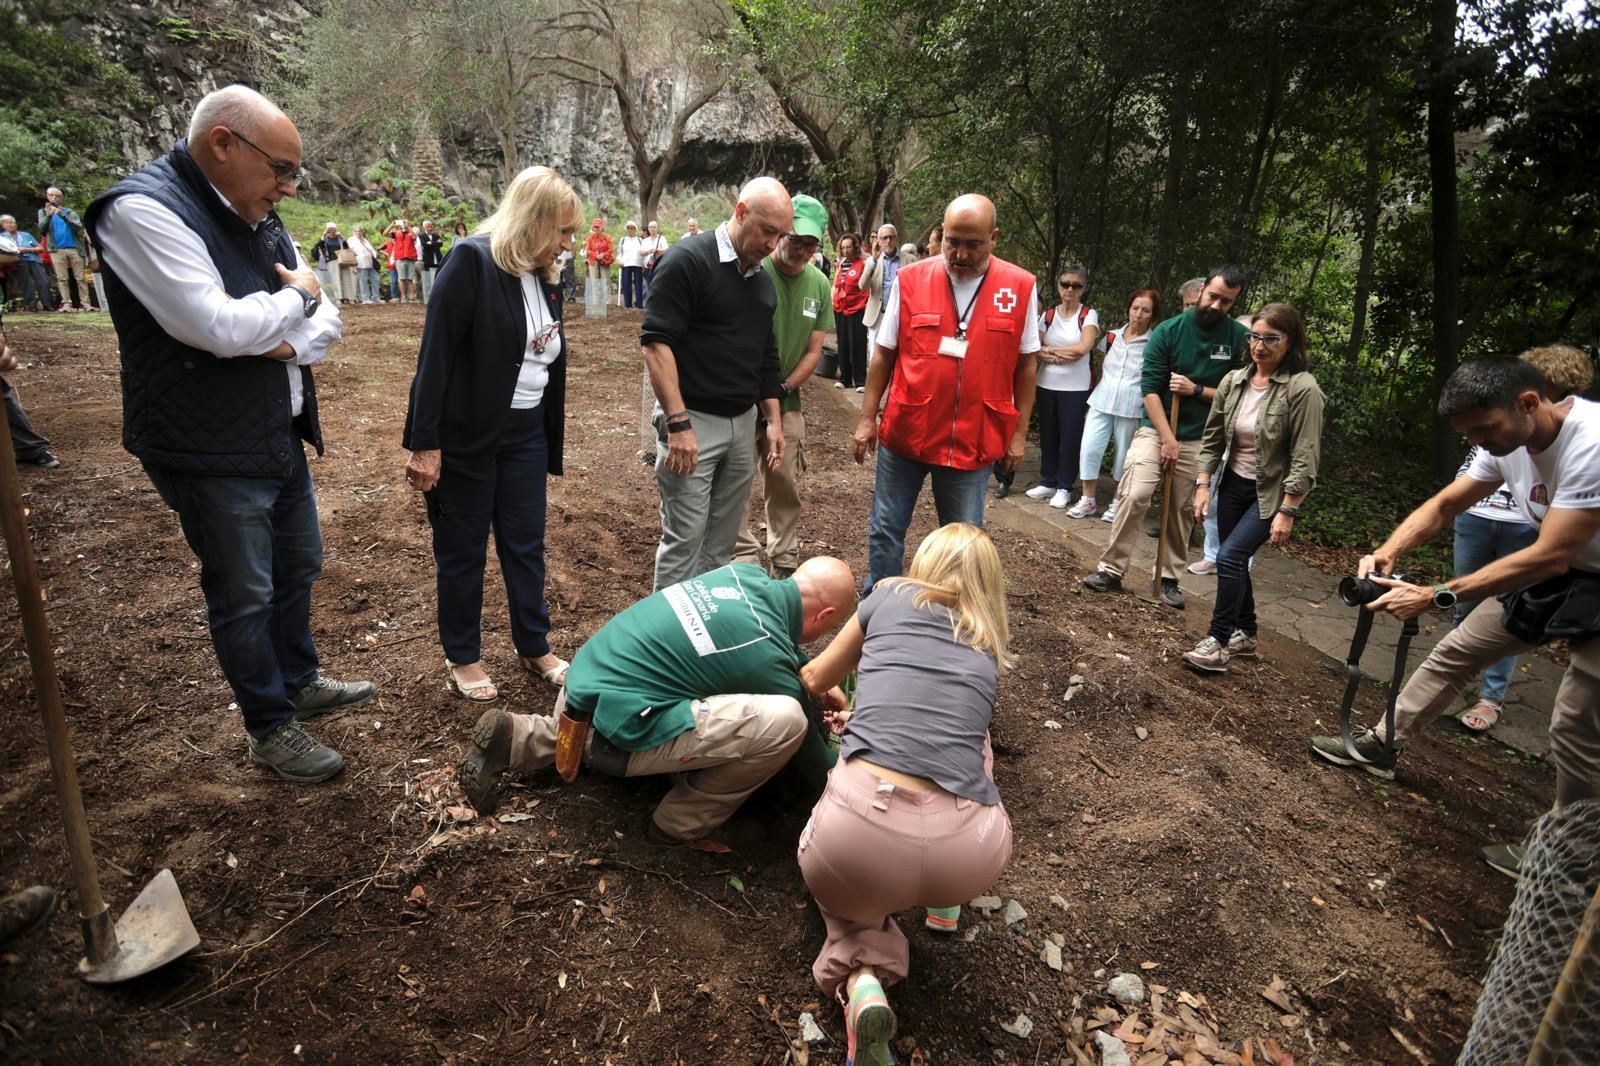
(889, 325)
(535, 372)
(1565, 475)
(1500, 505)
(630, 252)
(1064, 331)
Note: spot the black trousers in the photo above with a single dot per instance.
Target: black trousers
(27, 442)
(852, 333)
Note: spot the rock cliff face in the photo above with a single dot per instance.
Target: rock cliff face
(181, 50)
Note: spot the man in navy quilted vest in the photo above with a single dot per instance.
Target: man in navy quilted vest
(220, 321)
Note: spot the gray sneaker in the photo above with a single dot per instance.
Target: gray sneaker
(324, 695)
(1379, 761)
(1241, 645)
(1103, 581)
(484, 762)
(1507, 858)
(295, 755)
(1171, 594)
(1208, 655)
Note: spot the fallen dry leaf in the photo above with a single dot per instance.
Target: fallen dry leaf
(1277, 994)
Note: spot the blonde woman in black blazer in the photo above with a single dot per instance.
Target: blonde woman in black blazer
(484, 426)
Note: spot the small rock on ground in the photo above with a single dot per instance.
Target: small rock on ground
(1013, 912)
(1022, 1028)
(1112, 1051)
(810, 1032)
(1127, 988)
(1051, 955)
(987, 904)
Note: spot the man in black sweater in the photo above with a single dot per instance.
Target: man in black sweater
(708, 345)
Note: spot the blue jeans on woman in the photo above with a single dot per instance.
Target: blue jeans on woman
(508, 497)
(1243, 531)
(633, 286)
(1479, 542)
(369, 285)
(1060, 434)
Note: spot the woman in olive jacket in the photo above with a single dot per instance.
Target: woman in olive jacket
(485, 422)
(1267, 418)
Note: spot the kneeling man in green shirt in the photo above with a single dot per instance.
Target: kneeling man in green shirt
(700, 679)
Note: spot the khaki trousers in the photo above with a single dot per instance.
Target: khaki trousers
(1481, 640)
(737, 744)
(69, 261)
(782, 490)
(1141, 474)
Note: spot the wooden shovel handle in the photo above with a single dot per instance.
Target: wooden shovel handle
(1166, 508)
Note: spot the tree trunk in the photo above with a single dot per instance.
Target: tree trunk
(1097, 249)
(1369, 218)
(1264, 135)
(1446, 251)
(1177, 152)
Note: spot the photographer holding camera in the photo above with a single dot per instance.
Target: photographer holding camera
(62, 232)
(1548, 455)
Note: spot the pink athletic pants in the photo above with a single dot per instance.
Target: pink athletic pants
(872, 848)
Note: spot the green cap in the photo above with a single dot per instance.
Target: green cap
(810, 217)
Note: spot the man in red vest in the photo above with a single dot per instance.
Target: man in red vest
(955, 353)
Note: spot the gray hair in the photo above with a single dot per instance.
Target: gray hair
(238, 107)
(7, 218)
(1190, 288)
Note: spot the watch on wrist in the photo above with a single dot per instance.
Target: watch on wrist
(680, 427)
(1443, 598)
(309, 301)
(784, 389)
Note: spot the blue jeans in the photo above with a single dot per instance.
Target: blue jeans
(1243, 531)
(1060, 435)
(509, 497)
(958, 496)
(1479, 542)
(369, 285)
(633, 286)
(260, 550)
(1099, 429)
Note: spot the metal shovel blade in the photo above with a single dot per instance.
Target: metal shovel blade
(152, 932)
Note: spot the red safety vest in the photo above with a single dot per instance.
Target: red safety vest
(947, 411)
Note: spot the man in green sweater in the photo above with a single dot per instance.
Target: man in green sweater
(804, 316)
(1186, 356)
(700, 679)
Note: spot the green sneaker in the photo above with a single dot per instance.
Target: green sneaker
(943, 919)
(869, 1025)
(1507, 858)
(1379, 760)
(295, 755)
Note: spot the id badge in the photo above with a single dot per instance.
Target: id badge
(956, 346)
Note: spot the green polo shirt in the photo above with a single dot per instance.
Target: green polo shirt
(1180, 346)
(805, 305)
(733, 629)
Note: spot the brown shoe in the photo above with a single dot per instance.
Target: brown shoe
(486, 760)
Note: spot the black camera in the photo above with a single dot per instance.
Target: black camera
(1360, 591)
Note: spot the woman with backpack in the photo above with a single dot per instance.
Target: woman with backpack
(1115, 403)
(1068, 333)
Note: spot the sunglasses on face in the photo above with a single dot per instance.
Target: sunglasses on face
(1070, 284)
(1269, 339)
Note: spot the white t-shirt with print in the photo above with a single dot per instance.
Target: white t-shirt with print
(544, 347)
(1565, 475)
(1500, 505)
(1063, 332)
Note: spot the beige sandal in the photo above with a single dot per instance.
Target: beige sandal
(467, 689)
(555, 676)
(1485, 711)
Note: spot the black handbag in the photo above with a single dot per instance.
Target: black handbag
(1567, 607)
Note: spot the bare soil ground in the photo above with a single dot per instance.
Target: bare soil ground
(366, 921)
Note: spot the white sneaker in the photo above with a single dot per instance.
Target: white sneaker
(1111, 512)
(840, 385)
(1040, 492)
(1084, 508)
(1060, 500)
(1202, 567)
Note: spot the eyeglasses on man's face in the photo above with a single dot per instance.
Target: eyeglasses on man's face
(802, 244)
(286, 173)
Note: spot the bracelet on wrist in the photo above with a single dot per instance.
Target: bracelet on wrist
(679, 427)
(1292, 512)
(677, 415)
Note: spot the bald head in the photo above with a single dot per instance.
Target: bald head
(970, 230)
(761, 218)
(827, 594)
(247, 147)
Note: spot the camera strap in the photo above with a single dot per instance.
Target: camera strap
(1352, 674)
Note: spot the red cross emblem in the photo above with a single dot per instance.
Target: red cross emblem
(1004, 301)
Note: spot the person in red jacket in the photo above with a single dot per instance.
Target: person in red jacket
(597, 253)
(955, 353)
(403, 258)
(849, 307)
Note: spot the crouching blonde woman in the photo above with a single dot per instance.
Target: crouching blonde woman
(485, 423)
(911, 816)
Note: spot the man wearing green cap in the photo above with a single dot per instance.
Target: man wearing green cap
(804, 315)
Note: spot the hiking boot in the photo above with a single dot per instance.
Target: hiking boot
(730, 836)
(1002, 489)
(1208, 655)
(25, 912)
(1103, 581)
(869, 1025)
(295, 755)
(1241, 645)
(1379, 761)
(324, 695)
(1507, 858)
(1171, 594)
(484, 762)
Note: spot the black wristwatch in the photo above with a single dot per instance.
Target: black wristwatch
(1443, 598)
(309, 300)
(680, 427)
(783, 389)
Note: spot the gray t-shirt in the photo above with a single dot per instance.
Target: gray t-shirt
(923, 700)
